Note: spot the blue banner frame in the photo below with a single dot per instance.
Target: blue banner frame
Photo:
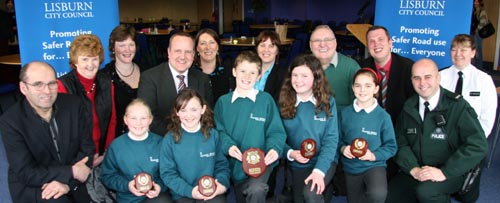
(424, 28)
(46, 28)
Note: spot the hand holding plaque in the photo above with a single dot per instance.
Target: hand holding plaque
(207, 186)
(253, 162)
(143, 182)
(359, 147)
(308, 148)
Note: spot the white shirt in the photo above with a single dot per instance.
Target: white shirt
(175, 74)
(433, 102)
(367, 109)
(478, 89)
(335, 59)
(252, 95)
(310, 99)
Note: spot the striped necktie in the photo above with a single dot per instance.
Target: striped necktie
(182, 84)
(383, 85)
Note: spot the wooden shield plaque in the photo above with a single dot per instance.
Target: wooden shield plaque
(359, 147)
(253, 162)
(207, 186)
(308, 148)
(143, 182)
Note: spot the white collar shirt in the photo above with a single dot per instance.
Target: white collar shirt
(175, 74)
(478, 89)
(310, 99)
(252, 95)
(368, 109)
(433, 102)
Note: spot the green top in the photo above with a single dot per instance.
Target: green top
(183, 164)
(454, 148)
(340, 79)
(247, 124)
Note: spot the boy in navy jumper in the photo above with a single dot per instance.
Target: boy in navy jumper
(248, 118)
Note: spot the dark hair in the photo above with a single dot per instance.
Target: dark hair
(179, 34)
(206, 121)
(273, 36)
(249, 56)
(321, 89)
(268, 34)
(120, 33)
(371, 73)
(376, 27)
(214, 35)
(465, 40)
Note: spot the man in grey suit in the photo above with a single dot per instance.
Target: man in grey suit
(159, 85)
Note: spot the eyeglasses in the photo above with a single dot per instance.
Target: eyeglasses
(40, 85)
(326, 40)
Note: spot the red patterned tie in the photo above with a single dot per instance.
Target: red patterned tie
(383, 84)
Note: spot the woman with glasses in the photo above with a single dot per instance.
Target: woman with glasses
(86, 54)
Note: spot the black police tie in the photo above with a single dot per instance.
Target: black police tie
(458, 88)
(426, 110)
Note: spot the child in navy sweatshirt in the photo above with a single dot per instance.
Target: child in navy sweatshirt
(134, 152)
(248, 118)
(366, 179)
(309, 112)
(191, 149)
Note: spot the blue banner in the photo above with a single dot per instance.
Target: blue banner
(47, 27)
(424, 28)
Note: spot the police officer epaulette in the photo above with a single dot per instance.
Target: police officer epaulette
(453, 96)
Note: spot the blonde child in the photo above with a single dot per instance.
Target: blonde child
(134, 152)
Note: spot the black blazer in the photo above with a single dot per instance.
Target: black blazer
(157, 88)
(399, 88)
(9, 99)
(275, 81)
(32, 157)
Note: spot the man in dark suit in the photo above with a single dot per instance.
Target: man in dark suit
(397, 70)
(48, 150)
(159, 85)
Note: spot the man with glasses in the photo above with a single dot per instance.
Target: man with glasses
(339, 69)
(49, 151)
